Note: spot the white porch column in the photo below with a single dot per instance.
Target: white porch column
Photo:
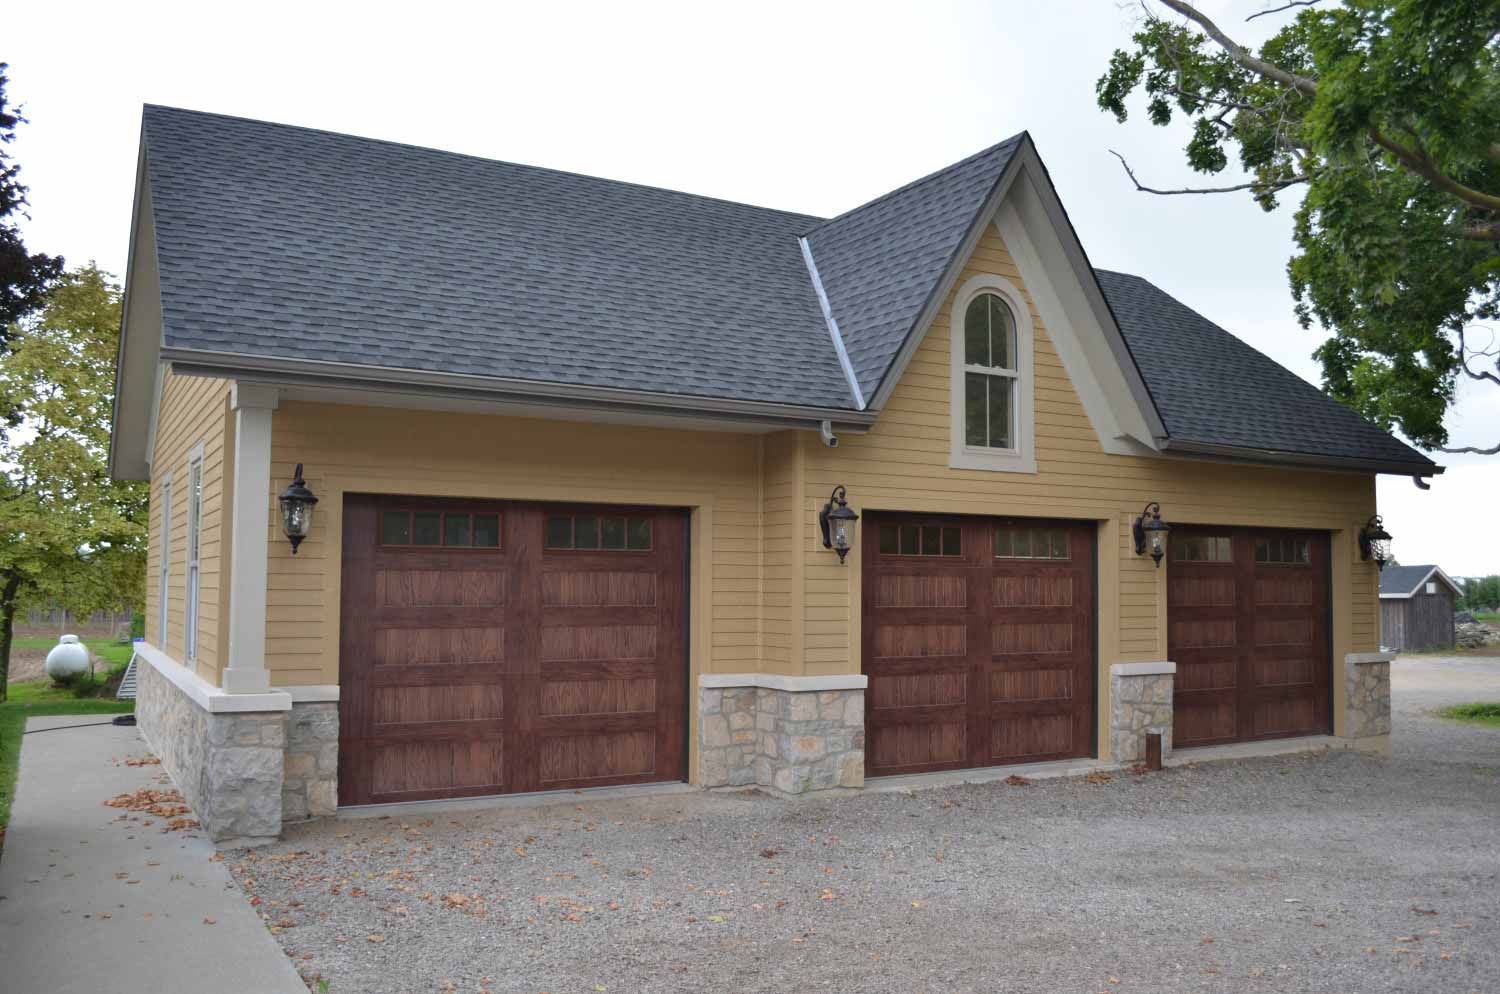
(252, 404)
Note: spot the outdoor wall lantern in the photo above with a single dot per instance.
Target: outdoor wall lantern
(837, 522)
(297, 510)
(1375, 542)
(1150, 521)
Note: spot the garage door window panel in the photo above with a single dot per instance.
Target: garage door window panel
(920, 540)
(590, 532)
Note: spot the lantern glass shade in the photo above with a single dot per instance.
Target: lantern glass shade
(841, 531)
(296, 517)
(297, 503)
(1380, 550)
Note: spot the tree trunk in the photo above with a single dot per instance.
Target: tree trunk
(7, 628)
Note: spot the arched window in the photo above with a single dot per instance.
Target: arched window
(989, 373)
(992, 384)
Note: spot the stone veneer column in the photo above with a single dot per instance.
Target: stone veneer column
(1367, 700)
(791, 735)
(1140, 701)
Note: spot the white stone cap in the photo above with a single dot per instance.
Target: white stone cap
(1143, 669)
(1366, 658)
(777, 681)
(205, 694)
(319, 693)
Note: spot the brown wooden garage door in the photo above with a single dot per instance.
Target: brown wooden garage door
(978, 641)
(1247, 614)
(498, 648)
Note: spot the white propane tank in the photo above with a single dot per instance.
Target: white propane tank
(68, 660)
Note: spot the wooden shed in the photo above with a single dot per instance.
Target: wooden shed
(1416, 607)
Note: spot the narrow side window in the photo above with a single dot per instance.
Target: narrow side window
(194, 548)
(164, 580)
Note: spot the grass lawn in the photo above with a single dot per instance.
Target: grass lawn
(40, 698)
(1483, 713)
(1493, 617)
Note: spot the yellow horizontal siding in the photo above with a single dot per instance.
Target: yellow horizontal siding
(192, 410)
(385, 450)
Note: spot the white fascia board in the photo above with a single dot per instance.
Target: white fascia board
(205, 694)
(291, 373)
(776, 681)
(1072, 325)
(137, 363)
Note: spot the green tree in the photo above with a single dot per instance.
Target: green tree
(1481, 593)
(1386, 113)
(24, 276)
(68, 533)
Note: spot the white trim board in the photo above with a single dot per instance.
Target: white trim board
(210, 698)
(1021, 457)
(776, 681)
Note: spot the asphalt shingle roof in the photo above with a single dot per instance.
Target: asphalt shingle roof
(1403, 579)
(284, 241)
(879, 263)
(279, 241)
(1211, 387)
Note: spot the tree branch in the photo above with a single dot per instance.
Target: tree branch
(1414, 162)
(1280, 184)
(1463, 360)
(1480, 232)
(1473, 449)
(1286, 6)
(1420, 164)
(1241, 54)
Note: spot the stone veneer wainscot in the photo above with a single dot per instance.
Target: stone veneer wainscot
(246, 763)
(790, 735)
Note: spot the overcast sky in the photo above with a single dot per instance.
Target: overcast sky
(802, 106)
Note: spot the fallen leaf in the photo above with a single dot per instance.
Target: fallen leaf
(210, 921)
(1099, 776)
(1424, 911)
(375, 938)
(1016, 780)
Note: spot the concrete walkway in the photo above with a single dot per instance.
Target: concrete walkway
(91, 904)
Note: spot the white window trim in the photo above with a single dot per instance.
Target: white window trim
(1022, 458)
(193, 553)
(164, 582)
(1432, 586)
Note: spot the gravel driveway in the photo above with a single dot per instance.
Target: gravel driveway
(1335, 872)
